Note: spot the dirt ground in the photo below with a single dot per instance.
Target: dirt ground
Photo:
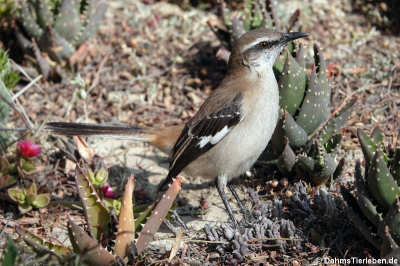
(154, 64)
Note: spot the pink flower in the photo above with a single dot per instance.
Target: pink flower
(108, 191)
(28, 149)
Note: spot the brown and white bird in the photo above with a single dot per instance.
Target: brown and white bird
(232, 127)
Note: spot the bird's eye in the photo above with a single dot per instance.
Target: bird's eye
(265, 44)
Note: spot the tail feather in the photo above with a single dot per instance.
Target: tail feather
(85, 129)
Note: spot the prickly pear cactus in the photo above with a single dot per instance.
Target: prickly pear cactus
(306, 135)
(59, 27)
(374, 207)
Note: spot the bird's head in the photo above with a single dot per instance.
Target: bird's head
(258, 49)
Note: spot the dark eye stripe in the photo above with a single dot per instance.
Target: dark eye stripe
(267, 44)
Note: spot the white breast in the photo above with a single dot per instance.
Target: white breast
(239, 150)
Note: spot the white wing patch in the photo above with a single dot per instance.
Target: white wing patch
(213, 139)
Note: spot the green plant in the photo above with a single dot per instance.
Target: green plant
(7, 9)
(250, 15)
(28, 198)
(18, 165)
(374, 207)
(306, 135)
(10, 254)
(91, 247)
(8, 80)
(59, 27)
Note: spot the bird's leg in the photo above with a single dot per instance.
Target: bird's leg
(221, 185)
(245, 211)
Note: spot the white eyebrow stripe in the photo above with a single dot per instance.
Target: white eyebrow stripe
(258, 40)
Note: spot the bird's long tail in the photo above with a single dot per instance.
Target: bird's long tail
(84, 129)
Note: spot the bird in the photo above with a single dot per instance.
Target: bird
(236, 122)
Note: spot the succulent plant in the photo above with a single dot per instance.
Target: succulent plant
(16, 166)
(306, 135)
(28, 198)
(252, 14)
(91, 248)
(8, 80)
(59, 27)
(374, 207)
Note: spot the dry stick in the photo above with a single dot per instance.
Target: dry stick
(16, 108)
(32, 82)
(22, 70)
(97, 75)
(176, 246)
(12, 129)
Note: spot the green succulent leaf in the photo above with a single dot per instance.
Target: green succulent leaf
(388, 231)
(43, 13)
(142, 213)
(10, 254)
(392, 219)
(328, 167)
(381, 183)
(367, 207)
(339, 169)
(27, 165)
(315, 108)
(367, 145)
(17, 195)
(113, 205)
(377, 137)
(279, 64)
(333, 142)
(292, 85)
(395, 165)
(68, 23)
(91, 251)
(24, 207)
(96, 11)
(96, 213)
(28, 21)
(296, 135)
(31, 191)
(321, 68)
(307, 163)
(335, 124)
(42, 245)
(358, 222)
(287, 159)
(99, 179)
(41, 200)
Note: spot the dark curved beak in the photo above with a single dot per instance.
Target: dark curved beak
(290, 36)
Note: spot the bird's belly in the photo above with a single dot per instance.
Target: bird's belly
(254, 136)
(239, 150)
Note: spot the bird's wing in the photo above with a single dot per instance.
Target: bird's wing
(209, 126)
